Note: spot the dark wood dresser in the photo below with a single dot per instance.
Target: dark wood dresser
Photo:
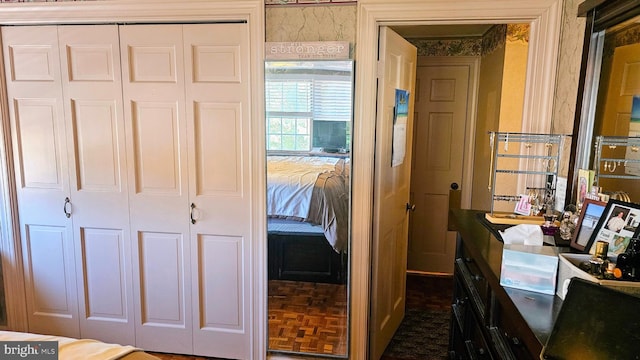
(490, 321)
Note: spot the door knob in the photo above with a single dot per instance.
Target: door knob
(454, 186)
(67, 205)
(194, 213)
(411, 207)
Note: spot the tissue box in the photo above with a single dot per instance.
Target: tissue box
(529, 267)
(568, 268)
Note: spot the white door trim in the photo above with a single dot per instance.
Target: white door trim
(544, 17)
(145, 11)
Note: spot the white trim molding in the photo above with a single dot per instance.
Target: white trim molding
(544, 17)
(146, 11)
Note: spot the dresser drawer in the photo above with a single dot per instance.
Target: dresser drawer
(476, 344)
(509, 334)
(475, 284)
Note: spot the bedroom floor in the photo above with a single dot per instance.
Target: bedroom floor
(310, 317)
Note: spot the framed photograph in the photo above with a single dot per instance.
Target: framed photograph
(617, 225)
(589, 217)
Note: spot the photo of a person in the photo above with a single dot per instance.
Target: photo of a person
(617, 221)
(619, 244)
(583, 189)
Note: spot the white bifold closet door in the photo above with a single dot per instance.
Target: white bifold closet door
(65, 105)
(187, 103)
(218, 104)
(147, 134)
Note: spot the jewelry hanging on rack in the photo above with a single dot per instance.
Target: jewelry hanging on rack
(506, 142)
(528, 147)
(612, 166)
(551, 165)
(606, 165)
(547, 164)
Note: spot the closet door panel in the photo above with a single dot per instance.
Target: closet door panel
(98, 148)
(163, 268)
(217, 149)
(153, 89)
(38, 138)
(220, 285)
(35, 100)
(104, 272)
(51, 283)
(217, 97)
(162, 291)
(156, 147)
(92, 87)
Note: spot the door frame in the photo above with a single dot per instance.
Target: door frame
(143, 11)
(544, 16)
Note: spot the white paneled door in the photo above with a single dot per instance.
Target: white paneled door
(91, 84)
(132, 151)
(154, 102)
(397, 60)
(441, 115)
(217, 91)
(186, 100)
(66, 112)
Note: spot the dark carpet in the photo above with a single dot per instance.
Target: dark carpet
(424, 332)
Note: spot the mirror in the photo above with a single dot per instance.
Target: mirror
(309, 116)
(610, 89)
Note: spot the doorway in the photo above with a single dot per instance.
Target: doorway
(463, 72)
(544, 16)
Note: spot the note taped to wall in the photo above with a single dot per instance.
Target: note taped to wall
(400, 117)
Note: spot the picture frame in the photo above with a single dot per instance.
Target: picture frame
(619, 223)
(590, 214)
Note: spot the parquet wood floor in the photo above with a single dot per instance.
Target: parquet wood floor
(311, 317)
(307, 317)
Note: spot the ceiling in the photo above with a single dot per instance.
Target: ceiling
(441, 31)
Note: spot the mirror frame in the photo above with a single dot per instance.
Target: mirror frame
(600, 15)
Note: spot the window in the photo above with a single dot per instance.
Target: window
(288, 104)
(308, 106)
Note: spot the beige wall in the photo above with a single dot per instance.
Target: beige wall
(311, 23)
(514, 75)
(488, 119)
(569, 61)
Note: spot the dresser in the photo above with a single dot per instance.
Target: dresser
(490, 321)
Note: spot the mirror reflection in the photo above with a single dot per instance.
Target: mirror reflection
(609, 128)
(617, 111)
(309, 114)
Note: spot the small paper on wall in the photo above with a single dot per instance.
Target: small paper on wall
(400, 117)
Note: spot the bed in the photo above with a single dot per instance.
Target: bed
(81, 349)
(308, 217)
